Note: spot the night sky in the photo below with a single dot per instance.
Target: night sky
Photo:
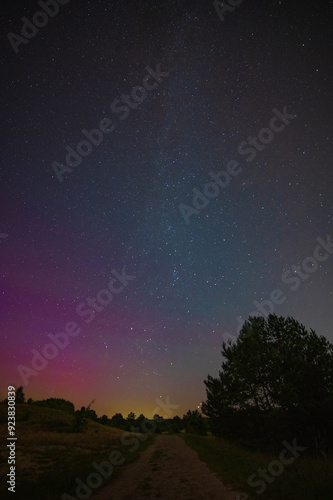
(183, 96)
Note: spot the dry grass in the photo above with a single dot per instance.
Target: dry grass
(49, 455)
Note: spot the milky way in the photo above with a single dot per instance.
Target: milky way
(165, 174)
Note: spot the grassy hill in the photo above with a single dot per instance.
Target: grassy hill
(49, 457)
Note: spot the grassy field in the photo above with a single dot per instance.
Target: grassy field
(49, 457)
(305, 479)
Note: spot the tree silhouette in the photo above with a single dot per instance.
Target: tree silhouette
(118, 421)
(104, 420)
(56, 403)
(131, 417)
(19, 396)
(139, 421)
(80, 418)
(277, 378)
(177, 424)
(194, 422)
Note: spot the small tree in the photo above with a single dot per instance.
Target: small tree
(177, 424)
(80, 421)
(118, 421)
(194, 423)
(139, 421)
(104, 420)
(158, 418)
(19, 396)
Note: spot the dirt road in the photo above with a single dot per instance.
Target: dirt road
(167, 470)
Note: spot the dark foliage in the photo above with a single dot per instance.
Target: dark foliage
(276, 383)
(55, 403)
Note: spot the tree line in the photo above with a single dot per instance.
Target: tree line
(275, 384)
(193, 421)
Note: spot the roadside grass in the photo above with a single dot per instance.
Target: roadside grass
(307, 478)
(49, 457)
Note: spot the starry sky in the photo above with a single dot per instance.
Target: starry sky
(180, 92)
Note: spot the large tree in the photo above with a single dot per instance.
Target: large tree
(277, 377)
